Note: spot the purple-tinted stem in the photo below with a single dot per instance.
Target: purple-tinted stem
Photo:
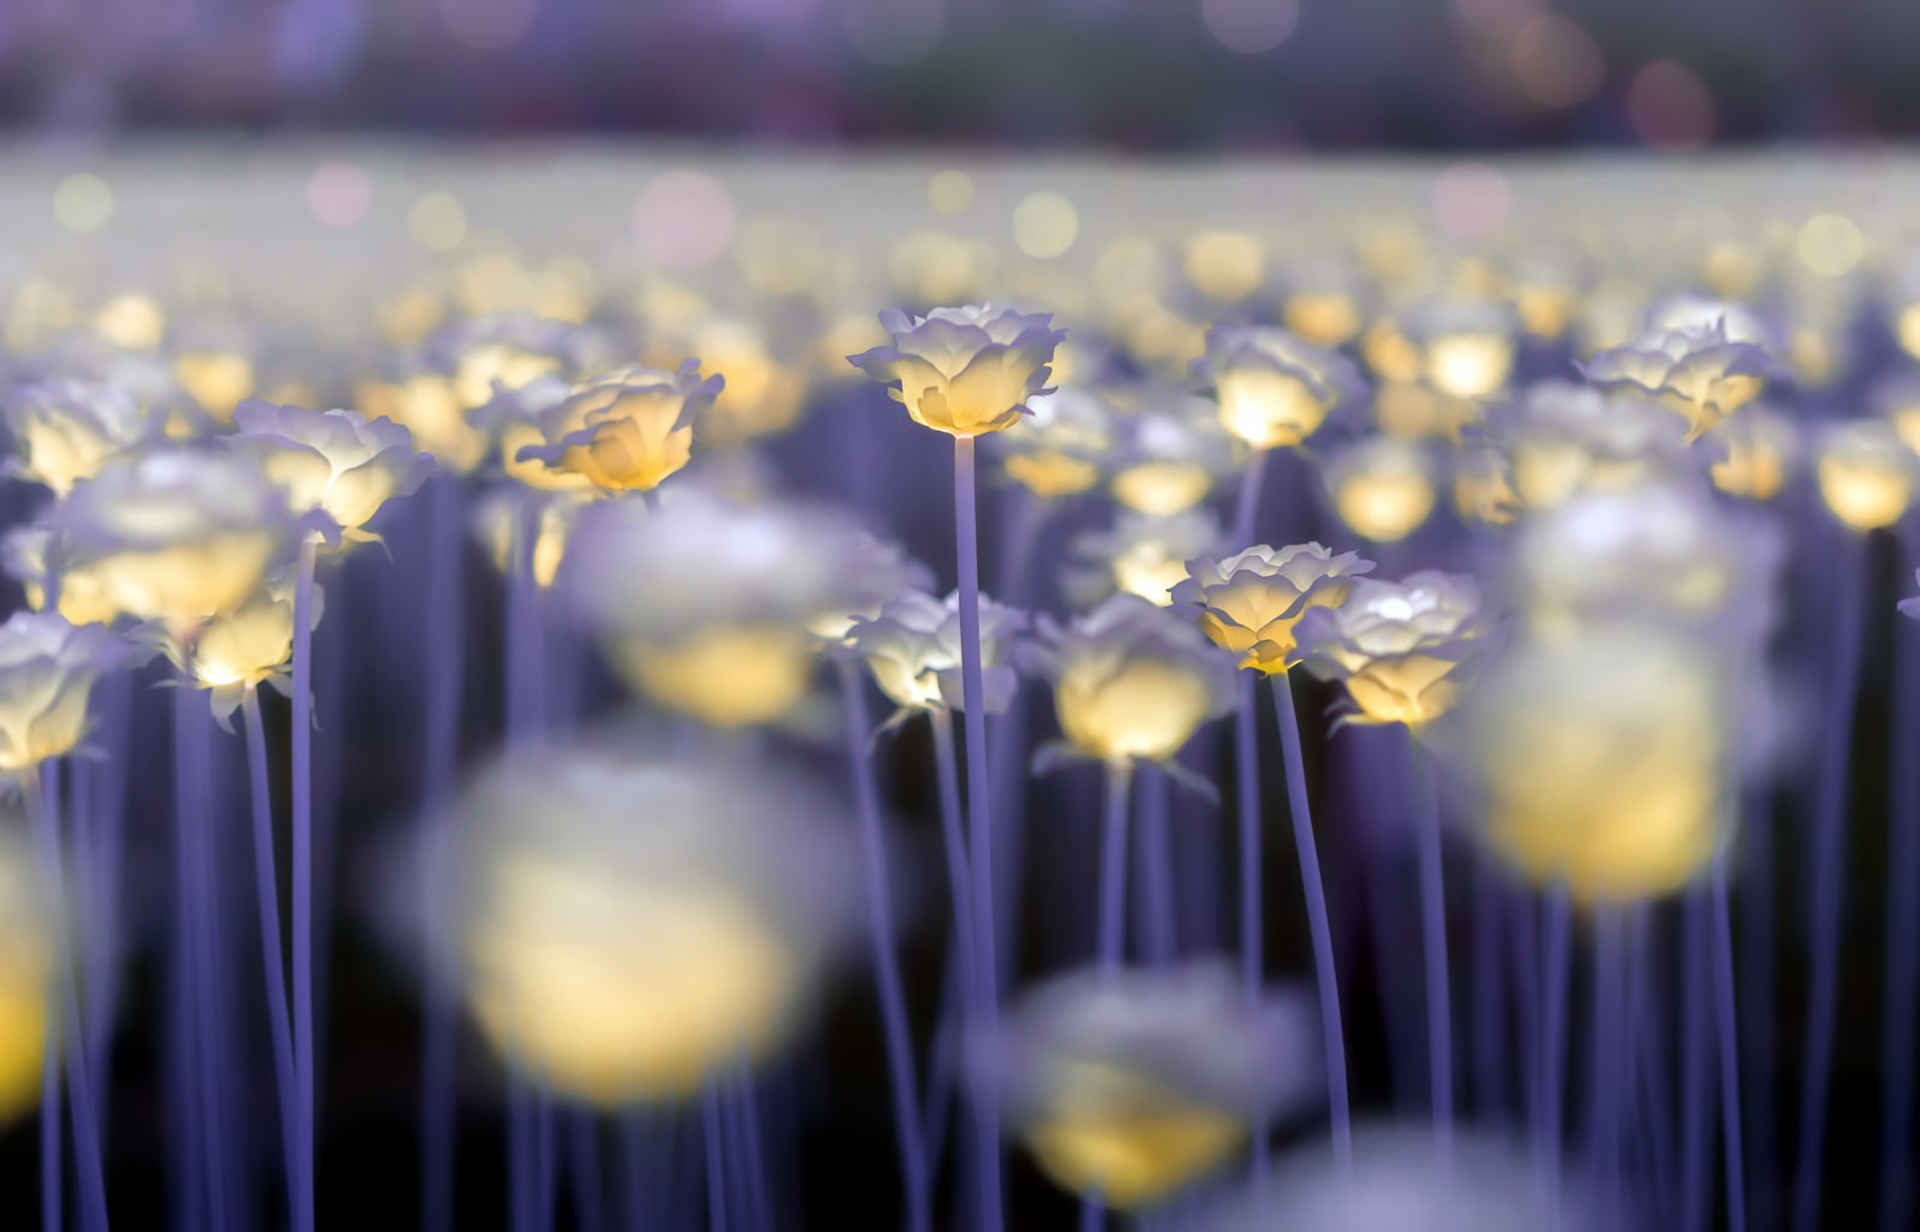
(1489, 990)
(1557, 942)
(546, 1157)
(1727, 1007)
(1155, 864)
(1433, 931)
(915, 1181)
(1696, 1070)
(302, 810)
(1828, 870)
(1246, 771)
(1319, 925)
(444, 652)
(1524, 928)
(1247, 507)
(1113, 867)
(266, 884)
(944, 1059)
(1757, 941)
(521, 1149)
(746, 1107)
(52, 1181)
(585, 1153)
(1902, 945)
(716, 1159)
(1603, 1116)
(192, 799)
(953, 835)
(1649, 1118)
(979, 822)
(104, 992)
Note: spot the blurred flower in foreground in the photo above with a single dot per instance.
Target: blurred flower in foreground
(1250, 602)
(1397, 646)
(632, 928)
(763, 394)
(1382, 488)
(173, 535)
(65, 431)
(27, 956)
(1129, 1085)
(1397, 1185)
(333, 462)
(625, 431)
(1132, 681)
(873, 573)
(249, 645)
(488, 354)
(1564, 437)
(1141, 555)
(1058, 448)
(426, 405)
(1603, 760)
(707, 605)
(1866, 474)
(47, 671)
(1699, 371)
(1274, 389)
(964, 371)
(912, 647)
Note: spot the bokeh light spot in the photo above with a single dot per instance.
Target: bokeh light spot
(488, 25)
(437, 222)
(1556, 62)
(894, 32)
(950, 191)
(1831, 245)
(338, 194)
(1045, 224)
(82, 203)
(1250, 26)
(684, 219)
(1470, 200)
(1670, 109)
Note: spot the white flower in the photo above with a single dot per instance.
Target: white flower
(47, 670)
(1397, 646)
(64, 431)
(1274, 389)
(964, 371)
(913, 649)
(332, 462)
(1701, 371)
(1249, 602)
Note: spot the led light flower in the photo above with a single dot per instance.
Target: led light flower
(1866, 474)
(47, 671)
(707, 604)
(28, 957)
(627, 430)
(632, 928)
(249, 645)
(964, 371)
(1250, 602)
(1129, 1085)
(1564, 437)
(333, 462)
(1274, 389)
(1399, 647)
(1132, 681)
(1603, 758)
(1382, 488)
(763, 394)
(912, 647)
(1701, 371)
(487, 355)
(64, 431)
(426, 404)
(1465, 346)
(1141, 555)
(1057, 450)
(173, 535)
(1171, 451)
(1483, 485)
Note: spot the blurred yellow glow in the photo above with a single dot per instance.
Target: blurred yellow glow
(426, 406)
(1755, 467)
(1126, 1138)
(1907, 327)
(1143, 708)
(410, 315)
(1483, 490)
(244, 645)
(1831, 245)
(82, 203)
(1544, 310)
(136, 322)
(26, 970)
(1269, 408)
(437, 221)
(1409, 411)
(1050, 473)
(1382, 490)
(1811, 357)
(727, 676)
(932, 268)
(1045, 225)
(1325, 318)
(1150, 569)
(636, 436)
(1732, 271)
(950, 191)
(762, 396)
(1469, 365)
(1129, 266)
(39, 310)
(1162, 488)
(217, 380)
(1225, 265)
(514, 368)
(1390, 353)
(1867, 488)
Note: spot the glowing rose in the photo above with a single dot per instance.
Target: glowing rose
(964, 371)
(627, 430)
(1171, 451)
(1464, 346)
(1700, 371)
(427, 406)
(332, 462)
(487, 355)
(249, 645)
(1397, 646)
(1866, 475)
(1129, 1085)
(1132, 681)
(762, 393)
(1141, 555)
(65, 431)
(47, 671)
(1564, 437)
(912, 647)
(1274, 389)
(1250, 602)
(1057, 450)
(1382, 488)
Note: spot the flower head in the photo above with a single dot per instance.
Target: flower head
(1700, 371)
(1058, 448)
(487, 355)
(627, 430)
(964, 371)
(1132, 681)
(1464, 347)
(333, 462)
(1397, 646)
(249, 645)
(1129, 1085)
(1382, 488)
(1866, 474)
(47, 670)
(1250, 602)
(1142, 555)
(912, 647)
(1274, 388)
(1171, 451)
(64, 431)
(1564, 437)
(426, 405)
